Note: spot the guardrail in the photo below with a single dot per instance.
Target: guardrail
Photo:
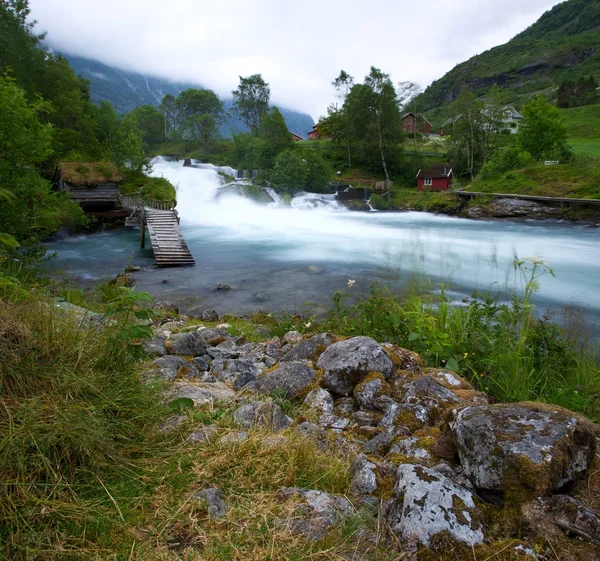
(567, 200)
(134, 202)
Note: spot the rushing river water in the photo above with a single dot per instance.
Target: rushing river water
(276, 257)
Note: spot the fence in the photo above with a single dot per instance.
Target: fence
(134, 202)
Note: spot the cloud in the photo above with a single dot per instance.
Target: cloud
(299, 48)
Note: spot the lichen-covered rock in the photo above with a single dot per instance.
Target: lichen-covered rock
(262, 414)
(429, 393)
(166, 308)
(426, 504)
(187, 344)
(320, 400)
(200, 394)
(155, 346)
(364, 481)
(217, 508)
(409, 415)
(346, 363)
(574, 518)
(381, 442)
(344, 406)
(169, 367)
(172, 423)
(333, 422)
(289, 378)
(410, 447)
(236, 372)
(233, 438)
(209, 315)
(373, 392)
(212, 337)
(533, 447)
(203, 435)
(315, 513)
(292, 337)
(448, 379)
(403, 359)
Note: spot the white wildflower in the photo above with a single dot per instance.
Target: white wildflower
(536, 260)
(351, 283)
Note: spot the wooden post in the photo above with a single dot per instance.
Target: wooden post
(142, 220)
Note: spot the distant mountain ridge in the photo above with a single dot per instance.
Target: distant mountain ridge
(127, 90)
(563, 43)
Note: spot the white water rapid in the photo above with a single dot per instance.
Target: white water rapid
(275, 256)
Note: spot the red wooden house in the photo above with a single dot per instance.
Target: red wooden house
(314, 133)
(412, 123)
(296, 137)
(438, 178)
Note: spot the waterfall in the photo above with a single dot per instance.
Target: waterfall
(277, 200)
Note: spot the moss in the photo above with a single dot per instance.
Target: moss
(386, 484)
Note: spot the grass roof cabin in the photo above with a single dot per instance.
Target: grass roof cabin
(94, 185)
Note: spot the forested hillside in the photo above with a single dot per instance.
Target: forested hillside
(563, 44)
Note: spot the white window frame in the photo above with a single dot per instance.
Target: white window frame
(427, 181)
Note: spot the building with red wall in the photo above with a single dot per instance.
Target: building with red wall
(412, 123)
(438, 178)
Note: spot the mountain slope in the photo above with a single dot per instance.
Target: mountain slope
(127, 90)
(563, 43)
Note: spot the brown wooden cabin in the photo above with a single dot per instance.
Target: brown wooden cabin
(419, 123)
(94, 185)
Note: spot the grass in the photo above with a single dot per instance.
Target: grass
(580, 179)
(505, 350)
(590, 146)
(582, 122)
(156, 188)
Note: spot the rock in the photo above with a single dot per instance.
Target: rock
(274, 441)
(413, 417)
(155, 346)
(348, 362)
(262, 331)
(289, 379)
(209, 315)
(403, 359)
(310, 430)
(202, 363)
(304, 350)
(238, 373)
(262, 414)
(133, 269)
(316, 513)
(333, 422)
(574, 518)
(430, 394)
(344, 406)
(381, 443)
(165, 308)
(203, 435)
(366, 418)
(409, 447)
(534, 447)
(373, 392)
(212, 337)
(426, 504)
(223, 287)
(323, 339)
(214, 500)
(448, 379)
(363, 481)
(222, 352)
(171, 366)
(292, 337)
(233, 438)
(200, 394)
(187, 344)
(172, 423)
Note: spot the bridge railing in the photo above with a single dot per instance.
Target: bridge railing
(135, 202)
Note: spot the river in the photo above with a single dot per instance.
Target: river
(276, 257)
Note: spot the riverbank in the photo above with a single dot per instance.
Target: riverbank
(485, 207)
(249, 439)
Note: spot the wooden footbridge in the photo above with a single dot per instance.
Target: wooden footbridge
(162, 221)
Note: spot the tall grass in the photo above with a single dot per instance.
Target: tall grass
(505, 349)
(75, 433)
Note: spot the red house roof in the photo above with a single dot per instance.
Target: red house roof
(436, 172)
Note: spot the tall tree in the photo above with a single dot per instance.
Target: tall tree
(543, 133)
(251, 100)
(167, 108)
(343, 86)
(374, 116)
(408, 101)
(199, 112)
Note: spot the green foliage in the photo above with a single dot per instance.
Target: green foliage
(251, 100)
(150, 122)
(275, 137)
(157, 188)
(543, 132)
(197, 115)
(378, 202)
(577, 93)
(298, 169)
(504, 349)
(582, 122)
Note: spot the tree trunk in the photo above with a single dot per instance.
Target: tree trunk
(387, 175)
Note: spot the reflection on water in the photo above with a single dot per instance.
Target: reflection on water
(276, 257)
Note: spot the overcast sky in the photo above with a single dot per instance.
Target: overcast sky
(298, 47)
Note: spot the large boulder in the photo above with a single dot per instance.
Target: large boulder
(238, 373)
(348, 362)
(427, 503)
(169, 367)
(200, 394)
(289, 378)
(528, 446)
